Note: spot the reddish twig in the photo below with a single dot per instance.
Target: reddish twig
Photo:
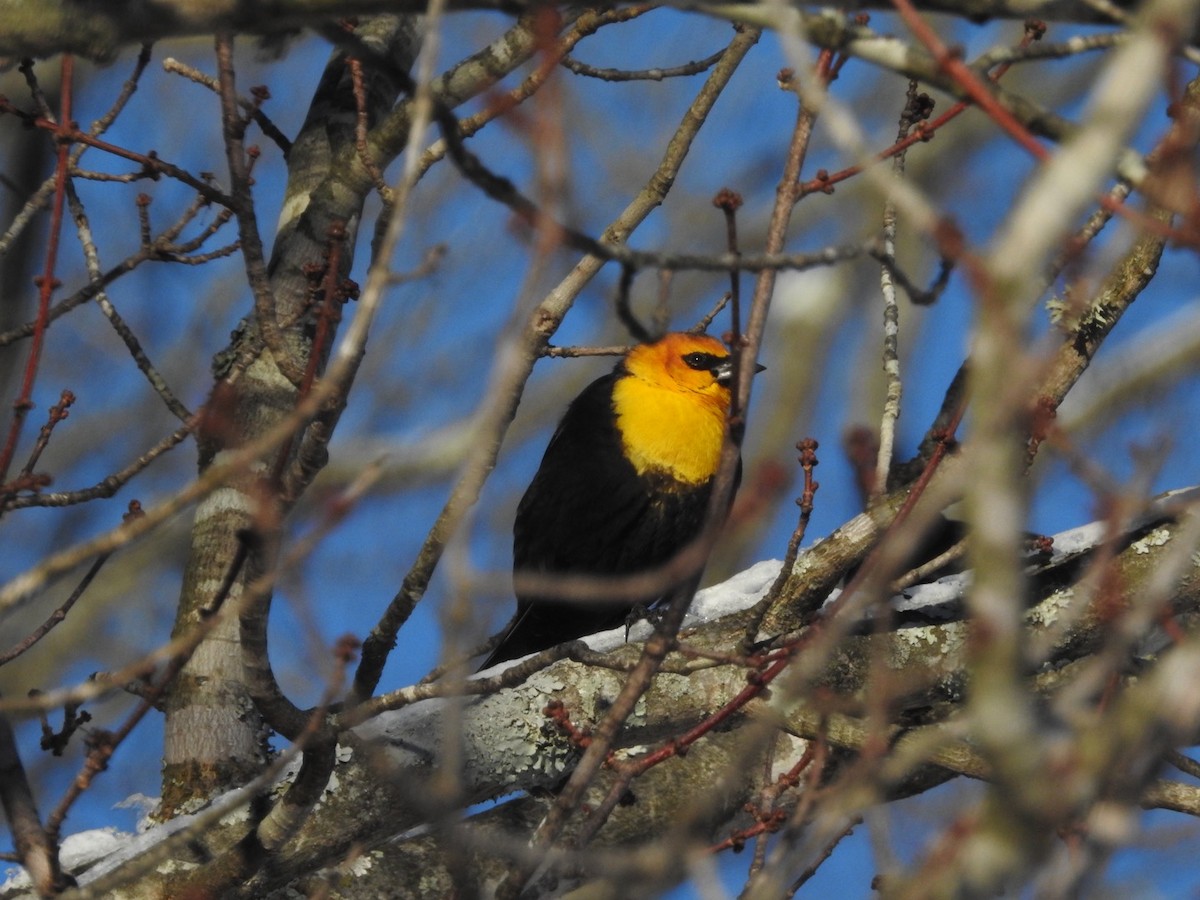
(812, 762)
(46, 282)
(362, 127)
(58, 412)
(769, 796)
(808, 462)
(766, 822)
(729, 202)
(557, 713)
(924, 131)
(152, 166)
(334, 293)
(950, 60)
(142, 203)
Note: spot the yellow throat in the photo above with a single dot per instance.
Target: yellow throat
(671, 417)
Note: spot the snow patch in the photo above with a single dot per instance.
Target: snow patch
(78, 852)
(740, 592)
(943, 593)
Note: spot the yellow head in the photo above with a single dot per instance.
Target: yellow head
(671, 406)
(690, 363)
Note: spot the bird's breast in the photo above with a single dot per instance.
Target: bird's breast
(673, 433)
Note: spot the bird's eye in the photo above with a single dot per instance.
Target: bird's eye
(702, 361)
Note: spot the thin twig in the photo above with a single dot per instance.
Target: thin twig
(269, 128)
(58, 616)
(916, 108)
(132, 344)
(108, 486)
(656, 74)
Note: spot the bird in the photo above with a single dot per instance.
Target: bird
(623, 486)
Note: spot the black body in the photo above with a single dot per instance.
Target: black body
(589, 512)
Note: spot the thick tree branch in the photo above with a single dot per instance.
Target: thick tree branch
(508, 744)
(39, 28)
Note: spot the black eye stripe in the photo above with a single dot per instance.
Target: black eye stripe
(702, 361)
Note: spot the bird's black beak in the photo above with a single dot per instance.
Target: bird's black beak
(724, 371)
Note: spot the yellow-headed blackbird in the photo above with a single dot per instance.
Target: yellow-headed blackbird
(624, 483)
